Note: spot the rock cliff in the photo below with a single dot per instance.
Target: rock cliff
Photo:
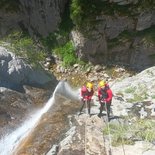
(113, 31)
(39, 17)
(122, 33)
(42, 17)
(14, 72)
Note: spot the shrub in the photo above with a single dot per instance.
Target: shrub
(127, 134)
(130, 90)
(67, 54)
(61, 36)
(10, 5)
(23, 45)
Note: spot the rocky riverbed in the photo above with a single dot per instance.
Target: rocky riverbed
(133, 105)
(62, 131)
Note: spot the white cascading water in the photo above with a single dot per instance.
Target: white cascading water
(67, 91)
(10, 142)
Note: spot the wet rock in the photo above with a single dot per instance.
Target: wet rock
(76, 65)
(106, 75)
(47, 65)
(53, 151)
(120, 70)
(15, 106)
(145, 20)
(49, 61)
(4, 118)
(98, 68)
(93, 78)
(86, 137)
(88, 70)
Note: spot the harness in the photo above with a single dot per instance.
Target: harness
(104, 93)
(85, 93)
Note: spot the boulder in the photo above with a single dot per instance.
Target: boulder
(145, 20)
(15, 72)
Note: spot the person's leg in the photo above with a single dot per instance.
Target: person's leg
(101, 109)
(88, 107)
(83, 103)
(108, 110)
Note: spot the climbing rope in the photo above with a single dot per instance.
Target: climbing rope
(122, 141)
(85, 127)
(109, 134)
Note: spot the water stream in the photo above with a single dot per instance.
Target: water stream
(11, 141)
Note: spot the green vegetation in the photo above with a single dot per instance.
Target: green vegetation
(59, 41)
(140, 97)
(153, 96)
(146, 4)
(130, 90)
(10, 5)
(120, 94)
(67, 54)
(150, 73)
(139, 93)
(147, 35)
(127, 134)
(22, 45)
(50, 41)
(61, 36)
(83, 15)
(84, 12)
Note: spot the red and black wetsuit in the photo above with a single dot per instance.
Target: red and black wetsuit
(85, 94)
(86, 97)
(105, 98)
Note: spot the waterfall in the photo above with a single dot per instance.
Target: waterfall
(10, 142)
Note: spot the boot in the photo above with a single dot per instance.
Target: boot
(100, 113)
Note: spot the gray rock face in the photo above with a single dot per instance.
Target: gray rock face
(90, 49)
(116, 25)
(16, 107)
(112, 42)
(112, 26)
(142, 55)
(14, 70)
(39, 17)
(145, 20)
(84, 138)
(42, 17)
(124, 2)
(9, 21)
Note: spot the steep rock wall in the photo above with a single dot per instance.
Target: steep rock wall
(128, 38)
(9, 21)
(39, 17)
(15, 72)
(42, 17)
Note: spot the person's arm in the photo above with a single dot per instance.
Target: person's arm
(81, 94)
(91, 94)
(99, 94)
(109, 98)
